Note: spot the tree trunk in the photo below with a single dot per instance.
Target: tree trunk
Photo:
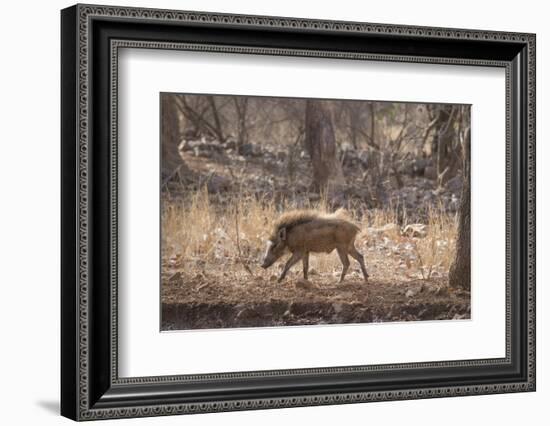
(320, 143)
(170, 136)
(442, 145)
(459, 272)
(218, 129)
(354, 117)
(241, 109)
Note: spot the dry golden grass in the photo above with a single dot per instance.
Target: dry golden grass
(197, 233)
(438, 248)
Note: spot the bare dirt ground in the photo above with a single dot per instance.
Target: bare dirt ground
(198, 295)
(202, 301)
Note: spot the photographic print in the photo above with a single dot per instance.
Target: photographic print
(291, 211)
(335, 207)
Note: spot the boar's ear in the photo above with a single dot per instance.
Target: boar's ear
(282, 234)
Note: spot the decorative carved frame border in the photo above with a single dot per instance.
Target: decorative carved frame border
(85, 14)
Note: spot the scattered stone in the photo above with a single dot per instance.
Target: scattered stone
(175, 277)
(200, 147)
(217, 183)
(430, 172)
(175, 260)
(417, 230)
(338, 199)
(410, 293)
(442, 291)
(419, 166)
(280, 155)
(250, 150)
(230, 144)
(364, 158)
(455, 184)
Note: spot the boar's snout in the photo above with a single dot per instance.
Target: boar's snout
(269, 259)
(273, 252)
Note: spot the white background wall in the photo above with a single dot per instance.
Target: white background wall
(29, 211)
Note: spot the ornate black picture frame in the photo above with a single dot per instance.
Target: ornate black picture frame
(90, 385)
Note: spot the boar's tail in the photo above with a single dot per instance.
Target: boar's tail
(344, 215)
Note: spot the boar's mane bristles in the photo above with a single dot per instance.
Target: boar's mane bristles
(294, 218)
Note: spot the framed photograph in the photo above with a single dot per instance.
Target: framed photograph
(263, 212)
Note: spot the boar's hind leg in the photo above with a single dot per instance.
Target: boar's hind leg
(345, 262)
(305, 262)
(296, 256)
(359, 257)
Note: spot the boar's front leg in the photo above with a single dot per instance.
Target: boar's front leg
(295, 258)
(305, 262)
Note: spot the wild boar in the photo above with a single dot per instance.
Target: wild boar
(307, 231)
